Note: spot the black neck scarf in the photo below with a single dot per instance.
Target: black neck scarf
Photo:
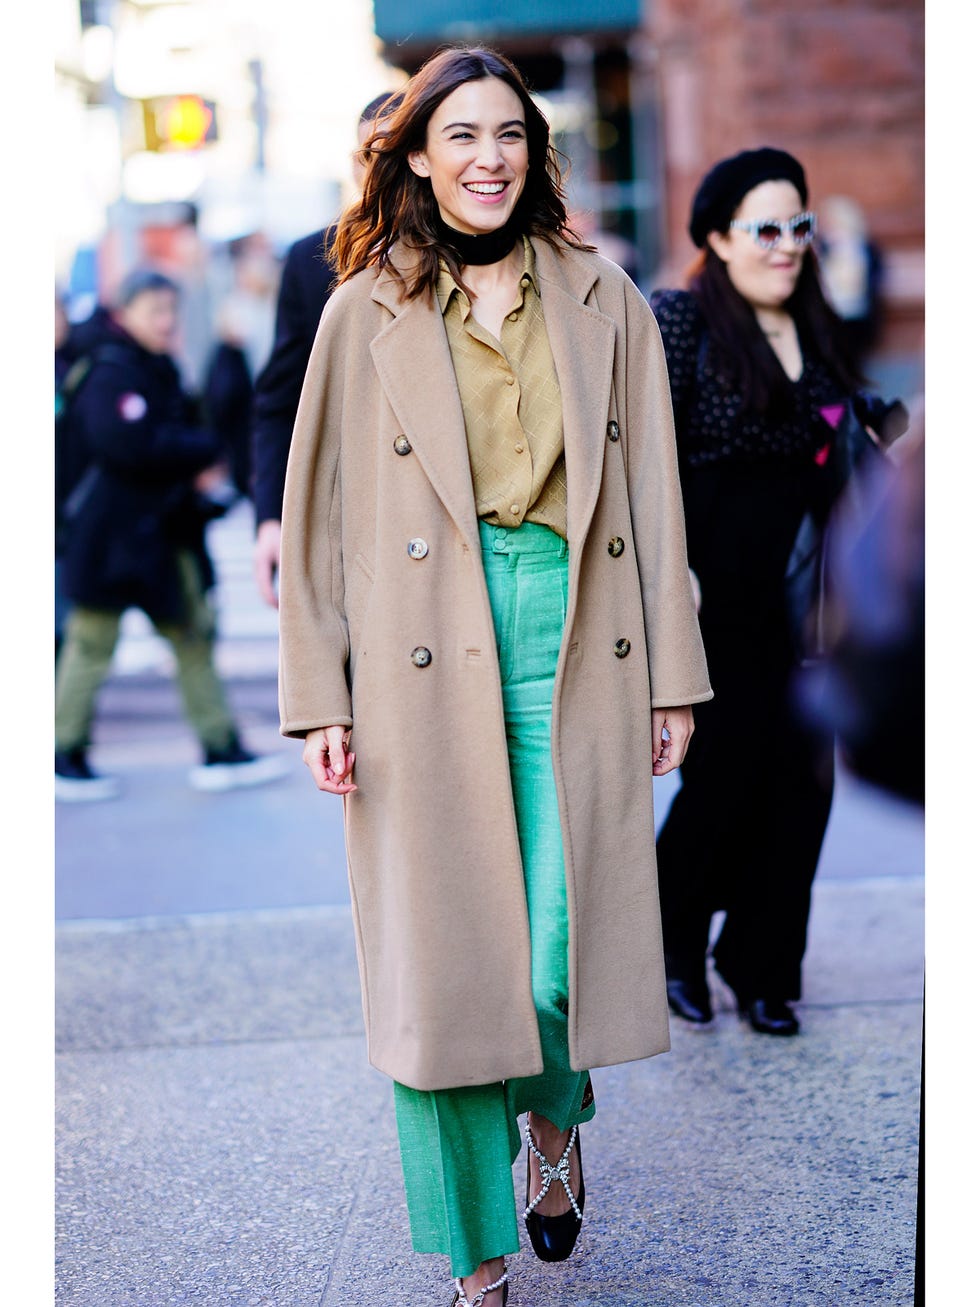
(490, 247)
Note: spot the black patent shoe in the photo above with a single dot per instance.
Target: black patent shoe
(770, 1016)
(553, 1237)
(460, 1299)
(690, 1001)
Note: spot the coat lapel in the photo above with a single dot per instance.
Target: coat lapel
(583, 344)
(416, 370)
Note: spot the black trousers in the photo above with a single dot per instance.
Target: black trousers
(744, 832)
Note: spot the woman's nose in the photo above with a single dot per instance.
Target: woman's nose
(489, 154)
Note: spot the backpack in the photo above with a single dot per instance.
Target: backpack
(74, 472)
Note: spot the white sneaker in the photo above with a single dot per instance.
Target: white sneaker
(76, 782)
(235, 768)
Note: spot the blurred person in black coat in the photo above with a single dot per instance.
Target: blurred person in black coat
(306, 285)
(133, 520)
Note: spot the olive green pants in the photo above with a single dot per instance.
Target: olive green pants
(91, 635)
(458, 1146)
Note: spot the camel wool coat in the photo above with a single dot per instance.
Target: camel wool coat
(385, 625)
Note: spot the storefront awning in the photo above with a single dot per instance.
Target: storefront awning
(487, 20)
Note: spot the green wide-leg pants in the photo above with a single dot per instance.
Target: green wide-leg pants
(458, 1146)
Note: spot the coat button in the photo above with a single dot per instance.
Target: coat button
(621, 648)
(417, 548)
(616, 546)
(612, 431)
(421, 657)
(403, 445)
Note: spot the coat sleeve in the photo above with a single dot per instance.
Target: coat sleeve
(125, 434)
(678, 670)
(304, 290)
(314, 688)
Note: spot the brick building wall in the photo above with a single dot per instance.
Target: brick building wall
(840, 84)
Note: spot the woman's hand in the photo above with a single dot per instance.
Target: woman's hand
(326, 754)
(672, 731)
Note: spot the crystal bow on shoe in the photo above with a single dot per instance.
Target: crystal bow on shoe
(553, 1237)
(561, 1171)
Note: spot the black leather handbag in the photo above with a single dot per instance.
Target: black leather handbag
(852, 453)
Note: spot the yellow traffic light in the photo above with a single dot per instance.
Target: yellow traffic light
(178, 122)
(186, 119)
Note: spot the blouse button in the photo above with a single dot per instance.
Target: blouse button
(511, 317)
(518, 449)
(402, 445)
(612, 431)
(621, 648)
(509, 380)
(417, 548)
(515, 509)
(421, 656)
(616, 546)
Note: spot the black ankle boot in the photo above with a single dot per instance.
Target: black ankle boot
(770, 1016)
(690, 1000)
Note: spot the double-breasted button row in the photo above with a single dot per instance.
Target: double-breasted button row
(421, 656)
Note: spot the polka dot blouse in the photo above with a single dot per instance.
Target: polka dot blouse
(711, 426)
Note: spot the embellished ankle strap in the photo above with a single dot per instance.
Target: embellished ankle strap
(461, 1299)
(561, 1171)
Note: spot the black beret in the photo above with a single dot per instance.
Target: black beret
(725, 186)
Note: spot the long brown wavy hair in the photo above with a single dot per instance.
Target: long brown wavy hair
(396, 204)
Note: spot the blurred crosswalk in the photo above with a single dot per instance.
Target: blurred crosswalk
(248, 629)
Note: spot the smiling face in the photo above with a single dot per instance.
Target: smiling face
(475, 155)
(766, 278)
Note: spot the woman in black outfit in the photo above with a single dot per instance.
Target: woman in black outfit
(752, 356)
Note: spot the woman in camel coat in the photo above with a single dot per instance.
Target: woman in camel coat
(387, 633)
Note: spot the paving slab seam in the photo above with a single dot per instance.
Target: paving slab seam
(184, 1045)
(330, 911)
(367, 1172)
(197, 920)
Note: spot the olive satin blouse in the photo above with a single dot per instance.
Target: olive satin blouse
(511, 406)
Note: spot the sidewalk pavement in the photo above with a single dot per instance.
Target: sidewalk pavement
(222, 1140)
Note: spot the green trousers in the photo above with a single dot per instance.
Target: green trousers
(458, 1146)
(91, 635)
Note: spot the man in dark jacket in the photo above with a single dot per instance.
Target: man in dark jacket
(306, 285)
(134, 522)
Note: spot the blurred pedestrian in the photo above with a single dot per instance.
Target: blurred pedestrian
(134, 523)
(243, 337)
(754, 357)
(851, 273)
(62, 367)
(307, 281)
(479, 521)
(870, 686)
(227, 407)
